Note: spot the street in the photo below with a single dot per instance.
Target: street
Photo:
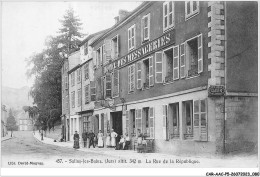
(24, 150)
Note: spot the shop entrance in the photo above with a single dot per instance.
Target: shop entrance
(116, 122)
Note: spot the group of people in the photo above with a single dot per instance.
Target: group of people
(113, 140)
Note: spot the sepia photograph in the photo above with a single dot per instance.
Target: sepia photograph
(130, 84)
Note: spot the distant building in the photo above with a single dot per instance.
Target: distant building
(25, 123)
(3, 121)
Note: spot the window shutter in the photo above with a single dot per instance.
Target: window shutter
(196, 120)
(182, 60)
(93, 90)
(117, 52)
(132, 77)
(149, 25)
(138, 116)
(127, 122)
(116, 83)
(129, 38)
(203, 120)
(151, 78)
(134, 37)
(165, 18)
(94, 59)
(129, 78)
(200, 54)
(176, 62)
(151, 116)
(108, 49)
(164, 121)
(87, 94)
(108, 85)
(142, 29)
(139, 75)
(158, 67)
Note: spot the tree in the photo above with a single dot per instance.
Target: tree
(33, 113)
(45, 67)
(11, 123)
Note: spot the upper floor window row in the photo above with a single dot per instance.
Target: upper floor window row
(176, 62)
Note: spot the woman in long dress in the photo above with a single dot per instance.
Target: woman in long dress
(100, 139)
(113, 138)
(76, 140)
(108, 140)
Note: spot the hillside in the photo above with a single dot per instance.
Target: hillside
(16, 98)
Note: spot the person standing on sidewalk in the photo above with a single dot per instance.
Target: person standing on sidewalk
(91, 136)
(84, 137)
(100, 139)
(108, 140)
(113, 138)
(76, 140)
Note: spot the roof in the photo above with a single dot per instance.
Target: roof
(91, 36)
(124, 20)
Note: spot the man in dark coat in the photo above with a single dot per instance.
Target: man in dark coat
(76, 140)
(84, 137)
(91, 137)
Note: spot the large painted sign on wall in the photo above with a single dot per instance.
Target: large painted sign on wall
(144, 50)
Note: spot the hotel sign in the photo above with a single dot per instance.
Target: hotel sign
(144, 50)
(216, 90)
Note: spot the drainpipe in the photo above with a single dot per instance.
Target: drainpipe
(225, 74)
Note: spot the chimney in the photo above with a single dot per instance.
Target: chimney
(116, 19)
(122, 14)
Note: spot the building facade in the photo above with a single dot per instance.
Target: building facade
(179, 73)
(65, 100)
(25, 123)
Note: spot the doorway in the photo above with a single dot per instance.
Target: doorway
(116, 118)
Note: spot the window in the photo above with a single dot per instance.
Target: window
(200, 120)
(188, 119)
(131, 78)
(171, 64)
(131, 37)
(168, 15)
(146, 122)
(73, 78)
(79, 75)
(86, 48)
(108, 86)
(194, 56)
(86, 124)
(93, 90)
(107, 51)
(145, 33)
(86, 71)
(191, 9)
(79, 97)
(115, 83)
(73, 99)
(115, 47)
(174, 120)
(145, 73)
(87, 94)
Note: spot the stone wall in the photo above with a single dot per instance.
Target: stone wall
(241, 124)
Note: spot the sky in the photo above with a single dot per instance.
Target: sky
(25, 26)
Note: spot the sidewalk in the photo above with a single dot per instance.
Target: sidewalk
(7, 137)
(105, 151)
